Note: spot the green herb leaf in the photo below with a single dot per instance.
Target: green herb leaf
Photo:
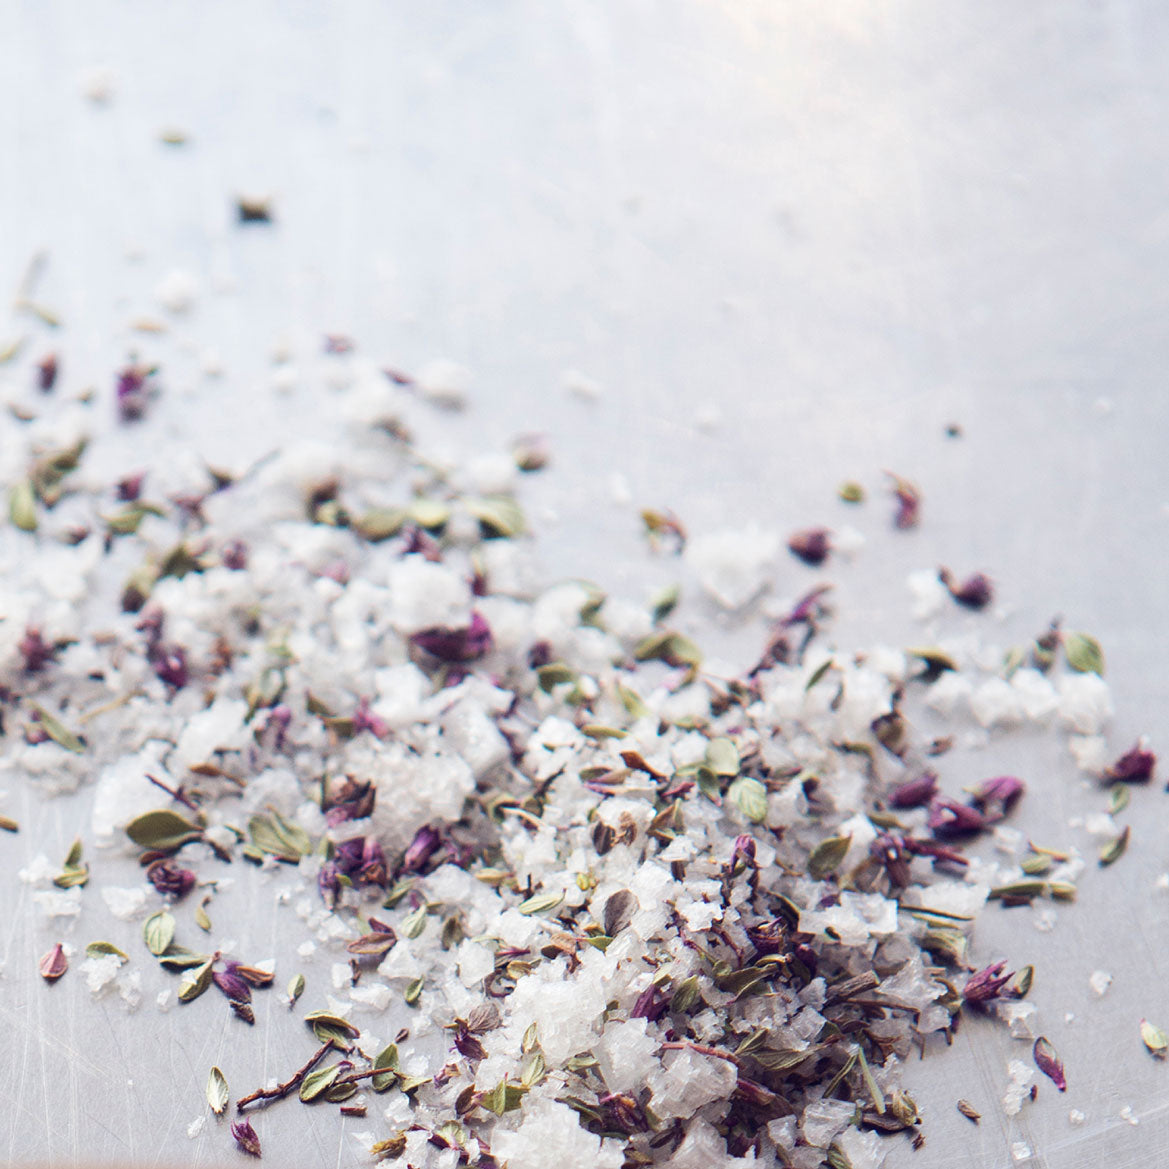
(533, 1069)
(104, 950)
(750, 797)
(1118, 799)
(827, 856)
(430, 513)
(328, 1026)
(541, 903)
(686, 995)
(22, 506)
(618, 912)
(554, 674)
(57, 731)
(318, 1081)
(632, 701)
(412, 995)
(1115, 849)
(415, 922)
(159, 932)
(217, 1094)
(279, 837)
(722, 757)
(161, 830)
(851, 492)
(818, 673)
(1154, 1038)
(180, 958)
(498, 515)
(201, 919)
(1083, 653)
(386, 1058)
(295, 988)
(380, 523)
(195, 983)
(9, 825)
(663, 602)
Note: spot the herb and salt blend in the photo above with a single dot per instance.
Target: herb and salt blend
(562, 892)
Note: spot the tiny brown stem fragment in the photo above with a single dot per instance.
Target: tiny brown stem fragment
(175, 794)
(282, 1090)
(702, 1049)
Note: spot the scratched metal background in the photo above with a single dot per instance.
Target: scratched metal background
(847, 223)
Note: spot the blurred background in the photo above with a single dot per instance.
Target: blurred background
(725, 255)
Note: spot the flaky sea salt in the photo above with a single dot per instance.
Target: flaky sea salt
(1100, 981)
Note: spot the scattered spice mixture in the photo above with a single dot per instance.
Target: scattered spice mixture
(638, 912)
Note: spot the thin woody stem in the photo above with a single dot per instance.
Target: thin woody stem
(283, 1089)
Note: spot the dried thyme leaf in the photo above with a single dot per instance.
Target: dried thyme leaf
(22, 506)
(664, 602)
(104, 950)
(180, 958)
(618, 912)
(412, 995)
(57, 731)
(1154, 1038)
(201, 918)
(827, 856)
(9, 825)
(196, 983)
(53, 964)
(159, 931)
(851, 492)
(540, 903)
(818, 673)
(498, 515)
(722, 757)
(1083, 653)
(1115, 849)
(386, 1058)
(318, 1081)
(161, 830)
(969, 1111)
(279, 837)
(1118, 799)
(1049, 1063)
(415, 922)
(295, 989)
(328, 1026)
(217, 1094)
(750, 797)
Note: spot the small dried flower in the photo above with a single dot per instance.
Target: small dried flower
(987, 984)
(456, 645)
(364, 719)
(170, 664)
(37, 652)
(47, 373)
(915, 792)
(422, 847)
(811, 545)
(976, 592)
(168, 878)
(235, 555)
(245, 1137)
(232, 985)
(949, 818)
(129, 489)
(1049, 1063)
(889, 852)
(994, 798)
(133, 392)
(1135, 766)
(651, 1004)
(908, 499)
(53, 964)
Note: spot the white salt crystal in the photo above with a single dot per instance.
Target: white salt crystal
(176, 291)
(1020, 1151)
(1076, 1117)
(864, 1150)
(97, 84)
(996, 703)
(626, 1055)
(687, 1081)
(930, 596)
(476, 962)
(445, 383)
(219, 727)
(100, 972)
(372, 994)
(39, 871)
(1090, 752)
(1100, 981)
(124, 903)
(733, 565)
(1021, 1077)
(58, 903)
(306, 949)
(339, 974)
(1017, 1014)
(551, 1134)
(196, 1126)
(1084, 702)
(823, 1119)
(123, 791)
(581, 385)
(1127, 1113)
(163, 1000)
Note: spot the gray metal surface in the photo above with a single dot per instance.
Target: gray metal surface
(847, 224)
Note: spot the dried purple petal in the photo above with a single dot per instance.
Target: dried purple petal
(133, 392)
(1135, 766)
(812, 545)
(47, 369)
(365, 719)
(1049, 1063)
(37, 652)
(53, 964)
(232, 985)
(422, 847)
(949, 818)
(651, 1004)
(275, 727)
(129, 489)
(908, 498)
(373, 864)
(353, 801)
(456, 645)
(347, 856)
(744, 851)
(996, 797)
(467, 1045)
(809, 609)
(942, 853)
(168, 878)
(170, 664)
(914, 792)
(245, 1137)
(987, 984)
(328, 881)
(975, 592)
(770, 937)
(235, 555)
(888, 850)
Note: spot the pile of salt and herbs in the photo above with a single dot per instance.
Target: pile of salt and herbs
(639, 911)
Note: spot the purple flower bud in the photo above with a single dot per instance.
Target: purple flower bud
(422, 847)
(811, 545)
(167, 877)
(245, 1137)
(328, 882)
(987, 984)
(908, 502)
(744, 850)
(130, 488)
(915, 792)
(996, 797)
(170, 664)
(275, 728)
(232, 985)
(456, 645)
(235, 555)
(347, 856)
(1049, 1063)
(975, 592)
(47, 373)
(651, 1004)
(365, 719)
(948, 818)
(887, 850)
(809, 609)
(37, 652)
(942, 853)
(133, 392)
(770, 937)
(539, 655)
(1135, 766)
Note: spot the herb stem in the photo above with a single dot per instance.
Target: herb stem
(282, 1090)
(702, 1049)
(175, 794)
